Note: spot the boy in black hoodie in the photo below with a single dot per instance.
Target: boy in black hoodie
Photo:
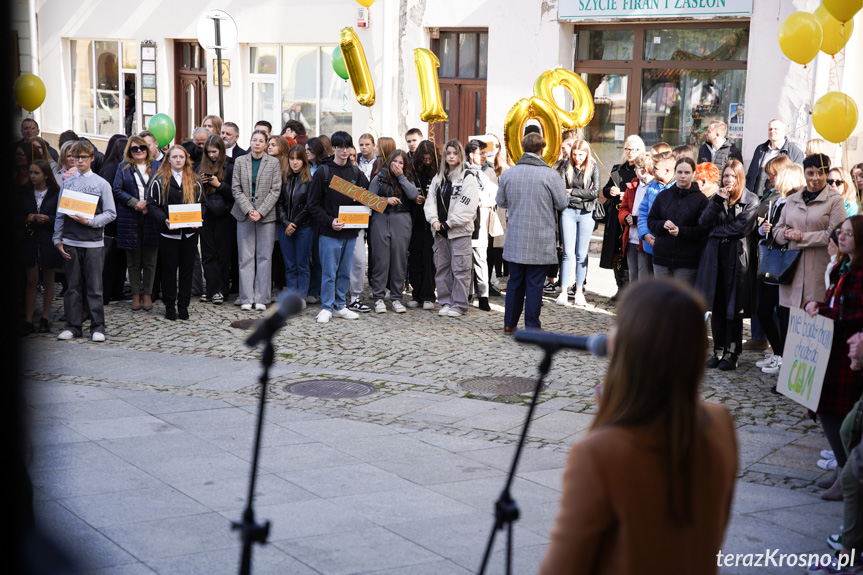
(336, 244)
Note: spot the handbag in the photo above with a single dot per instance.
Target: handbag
(776, 264)
(600, 212)
(495, 228)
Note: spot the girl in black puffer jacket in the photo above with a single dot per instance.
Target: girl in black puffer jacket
(294, 222)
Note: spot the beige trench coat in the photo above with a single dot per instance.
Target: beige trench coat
(816, 221)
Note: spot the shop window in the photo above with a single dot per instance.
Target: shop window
(298, 83)
(103, 87)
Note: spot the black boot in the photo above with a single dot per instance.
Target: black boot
(170, 312)
(716, 359)
(729, 362)
(483, 304)
(183, 312)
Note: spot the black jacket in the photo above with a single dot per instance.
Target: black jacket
(755, 179)
(611, 256)
(36, 239)
(324, 203)
(292, 206)
(725, 152)
(580, 196)
(738, 262)
(220, 202)
(157, 204)
(683, 207)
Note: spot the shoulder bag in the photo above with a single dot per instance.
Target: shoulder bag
(776, 264)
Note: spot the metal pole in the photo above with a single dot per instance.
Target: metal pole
(219, 67)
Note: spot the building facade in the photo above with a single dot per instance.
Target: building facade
(659, 68)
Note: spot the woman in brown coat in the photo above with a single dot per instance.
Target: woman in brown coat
(654, 477)
(809, 217)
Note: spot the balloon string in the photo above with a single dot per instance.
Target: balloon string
(372, 124)
(345, 99)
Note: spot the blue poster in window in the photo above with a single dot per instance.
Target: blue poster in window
(735, 120)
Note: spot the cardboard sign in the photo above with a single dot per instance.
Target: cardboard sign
(807, 352)
(77, 203)
(354, 216)
(358, 194)
(184, 216)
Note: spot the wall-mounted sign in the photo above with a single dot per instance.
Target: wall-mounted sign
(148, 80)
(616, 9)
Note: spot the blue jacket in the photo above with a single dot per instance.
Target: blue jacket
(653, 189)
(126, 191)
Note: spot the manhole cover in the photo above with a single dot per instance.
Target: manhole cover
(500, 385)
(330, 388)
(243, 323)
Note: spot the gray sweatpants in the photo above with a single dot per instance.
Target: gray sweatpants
(480, 271)
(389, 237)
(358, 265)
(452, 260)
(255, 248)
(84, 279)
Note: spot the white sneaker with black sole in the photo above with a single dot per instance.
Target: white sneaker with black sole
(218, 298)
(358, 306)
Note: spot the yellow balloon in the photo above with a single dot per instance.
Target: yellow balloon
(836, 33)
(29, 91)
(432, 106)
(842, 10)
(366, 3)
(582, 110)
(800, 37)
(358, 67)
(524, 110)
(835, 116)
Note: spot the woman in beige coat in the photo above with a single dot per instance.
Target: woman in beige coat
(809, 217)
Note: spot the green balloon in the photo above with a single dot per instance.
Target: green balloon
(339, 66)
(163, 129)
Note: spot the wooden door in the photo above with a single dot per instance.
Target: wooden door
(190, 88)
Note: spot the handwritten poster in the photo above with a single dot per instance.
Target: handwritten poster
(804, 363)
(358, 194)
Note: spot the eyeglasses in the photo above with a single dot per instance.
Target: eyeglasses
(841, 233)
(630, 149)
(136, 149)
(81, 158)
(834, 182)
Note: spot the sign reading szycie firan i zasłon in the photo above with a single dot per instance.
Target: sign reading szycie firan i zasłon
(599, 9)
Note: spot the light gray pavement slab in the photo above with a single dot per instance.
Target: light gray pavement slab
(142, 444)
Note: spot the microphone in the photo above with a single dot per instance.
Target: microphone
(289, 304)
(596, 344)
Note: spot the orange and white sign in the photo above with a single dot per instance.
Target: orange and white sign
(74, 203)
(184, 216)
(354, 216)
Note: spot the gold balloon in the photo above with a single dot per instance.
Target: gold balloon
(800, 37)
(835, 32)
(524, 110)
(358, 67)
(582, 110)
(432, 106)
(842, 10)
(366, 3)
(834, 115)
(29, 91)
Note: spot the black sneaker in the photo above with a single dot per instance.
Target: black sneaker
(358, 306)
(218, 298)
(494, 292)
(570, 291)
(44, 325)
(548, 288)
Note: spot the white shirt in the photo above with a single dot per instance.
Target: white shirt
(39, 197)
(714, 150)
(142, 169)
(178, 177)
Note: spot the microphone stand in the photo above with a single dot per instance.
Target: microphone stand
(505, 509)
(250, 531)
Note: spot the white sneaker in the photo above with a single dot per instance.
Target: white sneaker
(303, 304)
(312, 299)
(398, 307)
(98, 337)
(65, 335)
(453, 312)
(428, 305)
(380, 306)
(579, 298)
(246, 307)
(828, 454)
(345, 313)
(774, 366)
(260, 307)
(827, 463)
(413, 304)
(324, 316)
(768, 359)
(562, 299)
(443, 310)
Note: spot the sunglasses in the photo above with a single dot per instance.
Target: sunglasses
(136, 149)
(834, 182)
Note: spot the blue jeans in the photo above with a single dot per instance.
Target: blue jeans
(337, 254)
(576, 227)
(296, 251)
(524, 292)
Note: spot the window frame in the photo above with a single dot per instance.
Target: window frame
(435, 48)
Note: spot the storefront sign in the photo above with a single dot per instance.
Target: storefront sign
(807, 352)
(615, 9)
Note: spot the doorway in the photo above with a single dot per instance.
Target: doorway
(190, 88)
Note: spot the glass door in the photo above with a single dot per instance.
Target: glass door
(606, 132)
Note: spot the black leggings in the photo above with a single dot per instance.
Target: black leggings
(832, 424)
(773, 317)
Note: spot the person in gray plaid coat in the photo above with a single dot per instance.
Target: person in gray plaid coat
(533, 193)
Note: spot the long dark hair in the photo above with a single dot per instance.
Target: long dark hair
(50, 180)
(426, 148)
(298, 151)
(643, 388)
(316, 146)
(855, 259)
(207, 165)
(391, 179)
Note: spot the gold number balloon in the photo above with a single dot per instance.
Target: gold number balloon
(582, 110)
(432, 106)
(524, 110)
(358, 67)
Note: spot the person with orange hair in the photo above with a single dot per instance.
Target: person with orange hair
(726, 274)
(707, 176)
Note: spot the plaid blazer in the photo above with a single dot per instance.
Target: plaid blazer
(268, 187)
(533, 193)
